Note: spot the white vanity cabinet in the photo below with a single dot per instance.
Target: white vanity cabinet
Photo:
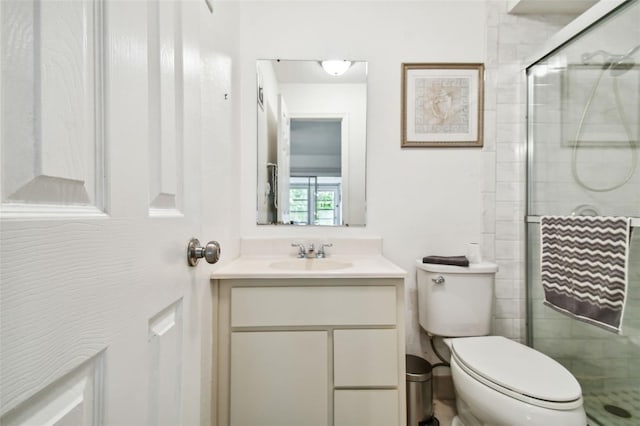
(311, 351)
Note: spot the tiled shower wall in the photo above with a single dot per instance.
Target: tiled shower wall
(604, 157)
(510, 41)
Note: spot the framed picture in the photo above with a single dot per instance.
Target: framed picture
(442, 105)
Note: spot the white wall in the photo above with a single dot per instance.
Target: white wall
(510, 41)
(421, 201)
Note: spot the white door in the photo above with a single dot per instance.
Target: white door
(284, 160)
(101, 318)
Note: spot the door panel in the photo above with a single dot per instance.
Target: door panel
(165, 343)
(165, 101)
(72, 400)
(101, 318)
(51, 128)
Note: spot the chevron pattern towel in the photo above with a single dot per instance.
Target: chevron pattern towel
(584, 266)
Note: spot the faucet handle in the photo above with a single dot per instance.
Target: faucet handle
(321, 252)
(301, 250)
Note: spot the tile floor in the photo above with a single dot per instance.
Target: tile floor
(444, 403)
(444, 410)
(627, 399)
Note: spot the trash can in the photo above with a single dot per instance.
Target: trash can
(419, 392)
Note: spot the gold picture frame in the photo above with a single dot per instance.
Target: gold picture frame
(442, 105)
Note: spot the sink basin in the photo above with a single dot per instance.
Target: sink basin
(310, 265)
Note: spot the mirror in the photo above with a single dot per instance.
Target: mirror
(311, 143)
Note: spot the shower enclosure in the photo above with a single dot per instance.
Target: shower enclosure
(583, 149)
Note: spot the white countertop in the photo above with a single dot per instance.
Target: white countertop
(256, 267)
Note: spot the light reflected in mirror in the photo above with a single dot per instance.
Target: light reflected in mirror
(311, 143)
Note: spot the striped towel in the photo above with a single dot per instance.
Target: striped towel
(584, 266)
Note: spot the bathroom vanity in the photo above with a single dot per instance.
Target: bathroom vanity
(310, 341)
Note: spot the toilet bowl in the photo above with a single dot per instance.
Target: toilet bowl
(501, 382)
(498, 382)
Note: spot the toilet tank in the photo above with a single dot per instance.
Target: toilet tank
(456, 301)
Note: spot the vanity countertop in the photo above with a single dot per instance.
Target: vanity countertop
(370, 266)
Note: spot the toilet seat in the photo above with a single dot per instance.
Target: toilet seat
(517, 371)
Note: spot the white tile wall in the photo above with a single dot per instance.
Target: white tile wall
(558, 192)
(510, 39)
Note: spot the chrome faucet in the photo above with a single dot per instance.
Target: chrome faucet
(321, 253)
(302, 252)
(311, 252)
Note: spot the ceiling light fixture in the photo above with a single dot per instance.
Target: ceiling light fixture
(335, 67)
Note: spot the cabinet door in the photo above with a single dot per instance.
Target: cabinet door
(279, 378)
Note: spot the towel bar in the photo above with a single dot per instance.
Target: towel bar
(635, 221)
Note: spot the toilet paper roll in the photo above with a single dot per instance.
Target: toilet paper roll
(473, 253)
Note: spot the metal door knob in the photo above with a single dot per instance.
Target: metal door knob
(195, 252)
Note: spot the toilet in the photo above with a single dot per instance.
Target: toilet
(497, 381)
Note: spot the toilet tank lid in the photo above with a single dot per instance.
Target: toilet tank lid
(473, 268)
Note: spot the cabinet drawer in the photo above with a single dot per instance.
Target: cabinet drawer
(365, 357)
(300, 306)
(375, 407)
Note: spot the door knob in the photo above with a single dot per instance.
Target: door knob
(210, 252)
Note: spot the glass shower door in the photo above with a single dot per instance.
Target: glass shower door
(583, 154)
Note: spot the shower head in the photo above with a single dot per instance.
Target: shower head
(625, 63)
(622, 66)
(617, 64)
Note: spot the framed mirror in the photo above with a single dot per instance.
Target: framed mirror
(312, 123)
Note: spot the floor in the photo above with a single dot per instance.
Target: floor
(627, 399)
(444, 410)
(444, 403)
(614, 408)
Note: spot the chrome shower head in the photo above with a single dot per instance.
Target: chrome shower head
(617, 64)
(622, 66)
(624, 63)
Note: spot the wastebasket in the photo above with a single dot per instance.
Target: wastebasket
(419, 392)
